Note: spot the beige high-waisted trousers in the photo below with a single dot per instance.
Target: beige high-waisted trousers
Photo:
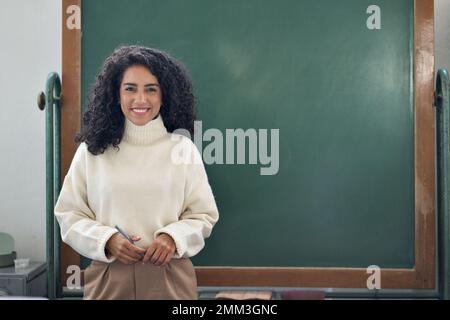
(108, 281)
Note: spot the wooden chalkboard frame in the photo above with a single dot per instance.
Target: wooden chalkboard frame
(422, 276)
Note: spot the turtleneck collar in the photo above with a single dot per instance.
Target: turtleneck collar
(146, 134)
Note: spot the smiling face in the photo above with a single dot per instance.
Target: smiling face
(140, 95)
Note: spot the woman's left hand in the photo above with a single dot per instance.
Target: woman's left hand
(161, 250)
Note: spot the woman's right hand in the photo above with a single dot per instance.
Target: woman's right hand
(124, 250)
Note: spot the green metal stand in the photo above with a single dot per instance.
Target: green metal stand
(443, 178)
(50, 101)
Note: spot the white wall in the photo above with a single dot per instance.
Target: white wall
(30, 41)
(442, 11)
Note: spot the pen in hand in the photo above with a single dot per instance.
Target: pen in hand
(126, 236)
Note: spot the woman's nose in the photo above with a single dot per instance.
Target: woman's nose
(140, 98)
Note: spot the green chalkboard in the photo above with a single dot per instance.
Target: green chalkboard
(340, 94)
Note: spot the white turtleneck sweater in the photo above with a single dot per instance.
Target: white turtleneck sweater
(140, 189)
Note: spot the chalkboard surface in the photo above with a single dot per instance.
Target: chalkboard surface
(341, 95)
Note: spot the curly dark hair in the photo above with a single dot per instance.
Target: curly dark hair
(103, 121)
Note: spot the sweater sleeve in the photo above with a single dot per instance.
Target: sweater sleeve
(199, 214)
(79, 228)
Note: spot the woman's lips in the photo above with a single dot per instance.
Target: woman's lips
(140, 111)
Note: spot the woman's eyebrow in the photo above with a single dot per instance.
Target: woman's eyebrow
(147, 85)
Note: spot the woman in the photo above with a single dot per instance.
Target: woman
(123, 174)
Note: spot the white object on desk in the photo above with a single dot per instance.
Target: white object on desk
(20, 264)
